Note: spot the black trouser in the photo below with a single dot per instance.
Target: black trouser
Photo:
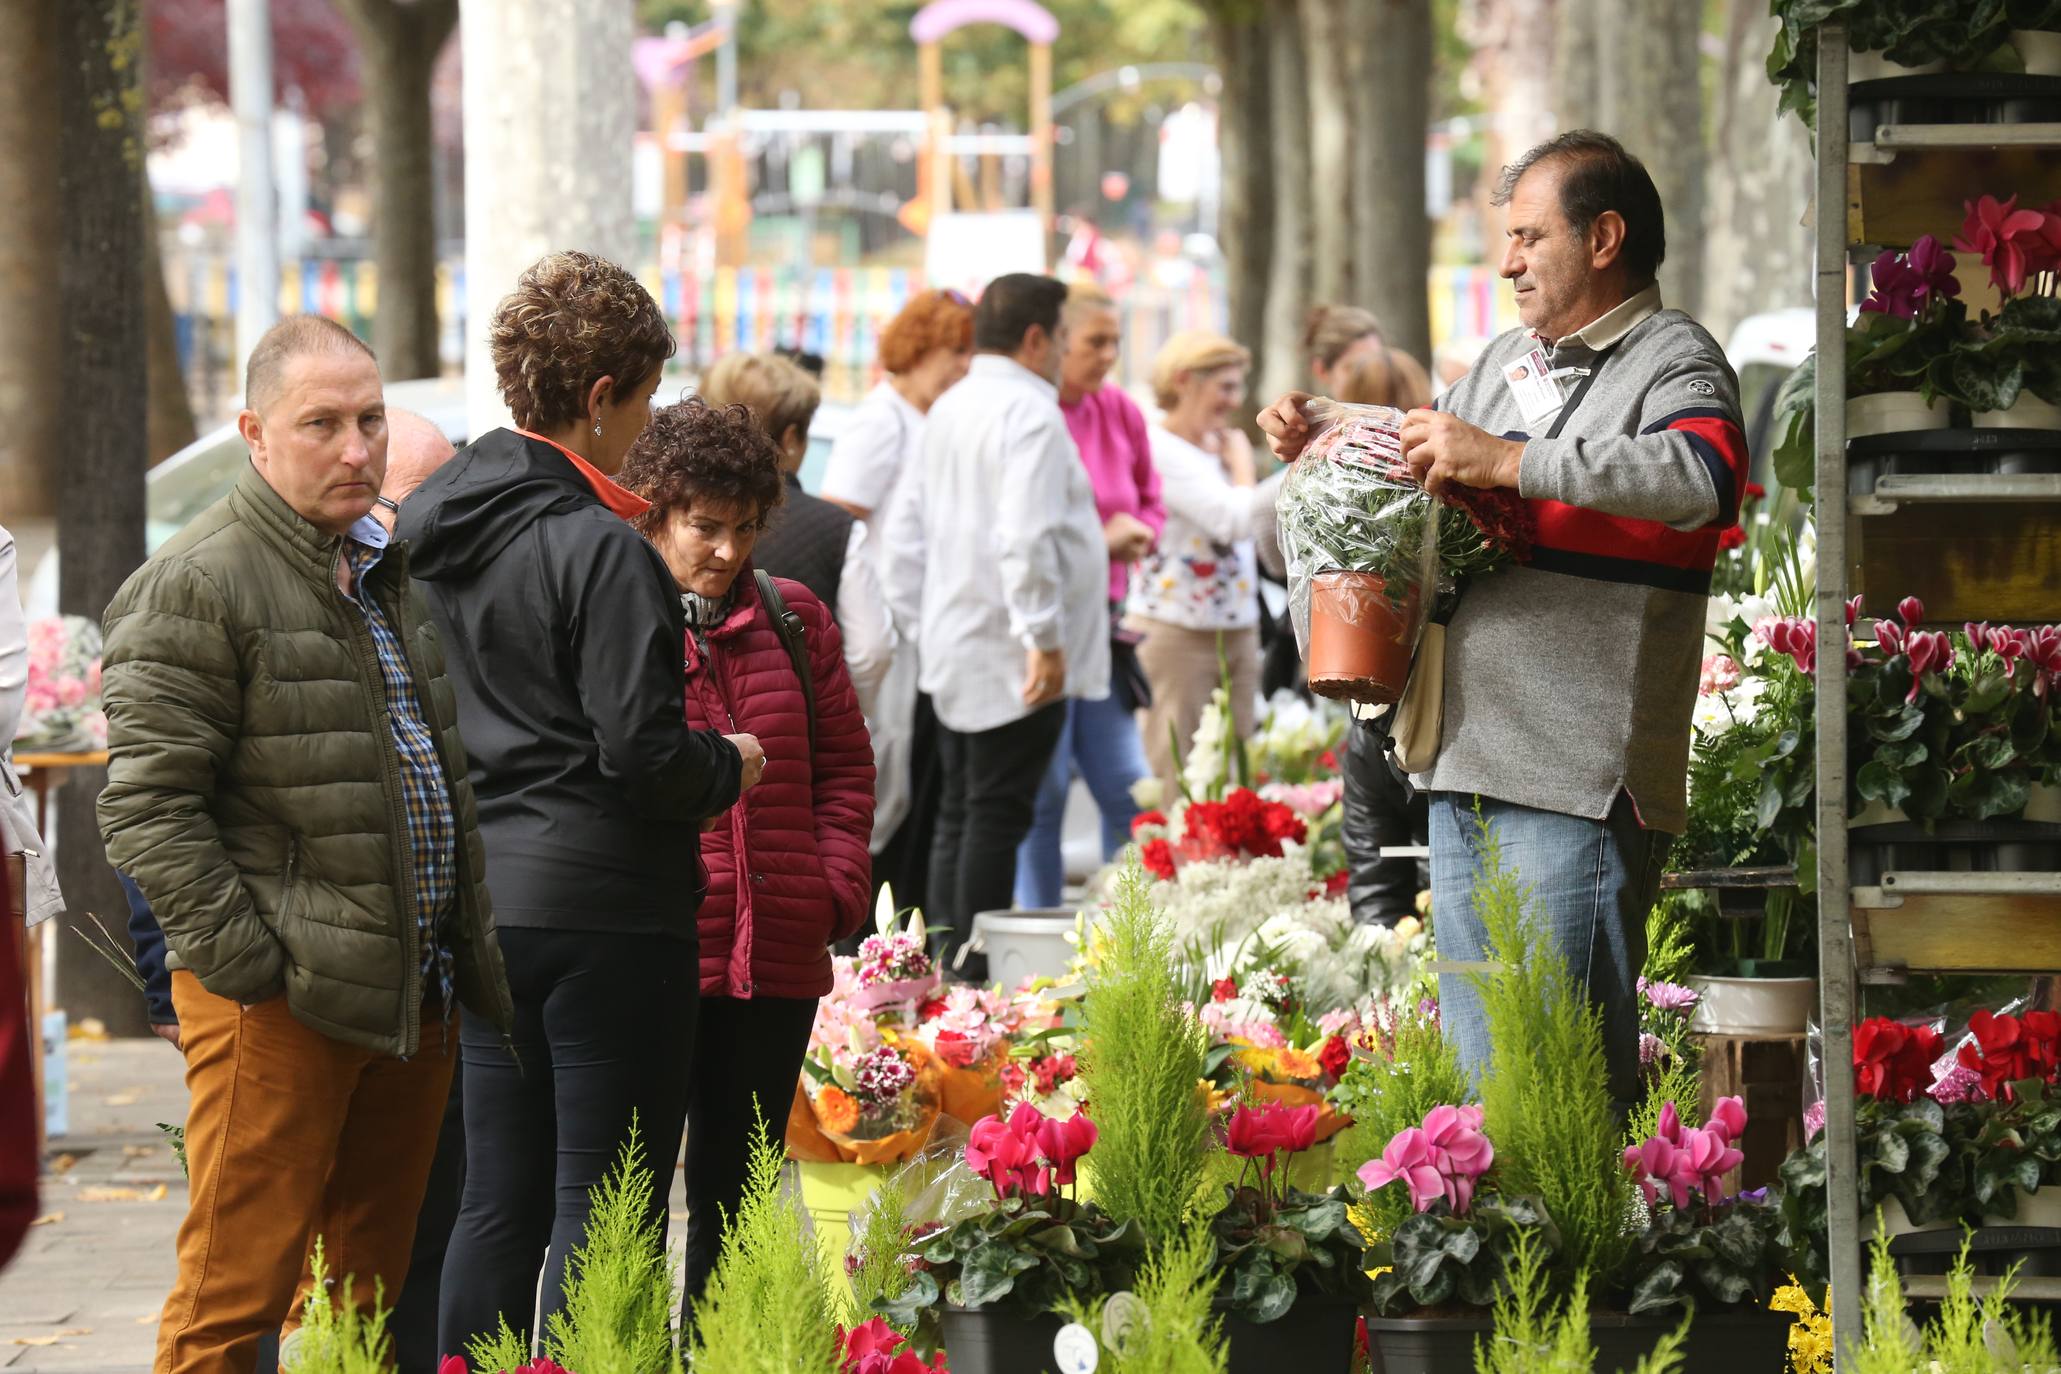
(413, 1322)
(604, 1031)
(1380, 811)
(744, 1049)
(904, 861)
(985, 808)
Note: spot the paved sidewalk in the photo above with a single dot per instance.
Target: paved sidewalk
(84, 1292)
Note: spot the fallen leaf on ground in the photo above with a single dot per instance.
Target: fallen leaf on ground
(92, 1028)
(63, 1164)
(33, 1340)
(138, 1151)
(127, 1099)
(156, 1194)
(48, 1219)
(148, 1319)
(99, 1194)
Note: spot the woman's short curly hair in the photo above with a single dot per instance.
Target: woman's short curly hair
(693, 452)
(571, 320)
(931, 320)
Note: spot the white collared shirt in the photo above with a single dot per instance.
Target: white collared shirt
(1013, 557)
(1613, 324)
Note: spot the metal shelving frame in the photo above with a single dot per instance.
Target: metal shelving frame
(1846, 915)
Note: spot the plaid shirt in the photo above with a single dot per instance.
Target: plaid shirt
(432, 830)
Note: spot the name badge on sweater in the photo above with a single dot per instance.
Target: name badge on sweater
(1534, 386)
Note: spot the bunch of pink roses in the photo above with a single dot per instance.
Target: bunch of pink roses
(1680, 1159)
(1442, 1158)
(1031, 1154)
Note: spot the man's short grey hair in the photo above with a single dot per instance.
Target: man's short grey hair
(1598, 174)
(295, 336)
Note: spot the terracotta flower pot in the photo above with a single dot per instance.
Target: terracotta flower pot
(1360, 641)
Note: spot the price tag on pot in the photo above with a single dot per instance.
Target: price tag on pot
(1074, 1350)
(1123, 1319)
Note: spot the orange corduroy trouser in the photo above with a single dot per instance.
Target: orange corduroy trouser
(291, 1136)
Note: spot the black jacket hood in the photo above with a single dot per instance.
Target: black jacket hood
(475, 505)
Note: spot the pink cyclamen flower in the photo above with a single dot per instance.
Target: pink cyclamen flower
(1705, 1158)
(1853, 611)
(1653, 1163)
(1669, 1127)
(1455, 1133)
(1408, 1157)
(1062, 1143)
(1889, 636)
(1911, 611)
(1931, 652)
(1007, 1160)
(2010, 241)
(1728, 1117)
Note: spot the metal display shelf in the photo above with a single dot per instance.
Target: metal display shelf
(1892, 492)
(1909, 180)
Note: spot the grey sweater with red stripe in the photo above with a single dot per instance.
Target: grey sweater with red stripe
(1574, 676)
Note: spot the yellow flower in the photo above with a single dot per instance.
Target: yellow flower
(1810, 1339)
(1361, 1215)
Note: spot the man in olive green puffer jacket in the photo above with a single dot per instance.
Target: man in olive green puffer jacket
(287, 787)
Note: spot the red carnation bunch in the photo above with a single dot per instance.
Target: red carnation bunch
(1240, 824)
(1892, 1062)
(2010, 1049)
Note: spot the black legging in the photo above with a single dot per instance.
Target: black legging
(744, 1048)
(604, 1028)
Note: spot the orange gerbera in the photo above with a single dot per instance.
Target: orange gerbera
(1290, 1062)
(836, 1110)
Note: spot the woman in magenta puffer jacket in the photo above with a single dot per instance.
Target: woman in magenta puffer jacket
(788, 868)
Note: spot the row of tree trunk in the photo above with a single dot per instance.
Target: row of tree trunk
(1325, 108)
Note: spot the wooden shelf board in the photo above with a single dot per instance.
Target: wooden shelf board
(1960, 934)
(1921, 192)
(1994, 562)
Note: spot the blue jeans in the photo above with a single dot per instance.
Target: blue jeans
(1591, 882)
(1101, 739)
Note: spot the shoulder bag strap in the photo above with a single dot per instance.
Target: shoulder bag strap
(795, 636)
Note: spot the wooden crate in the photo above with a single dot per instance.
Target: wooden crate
(1767, 1073)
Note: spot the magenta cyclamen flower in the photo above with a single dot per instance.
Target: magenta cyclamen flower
(1904, 284)
(1931, 652)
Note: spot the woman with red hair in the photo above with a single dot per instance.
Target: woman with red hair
(924, 350)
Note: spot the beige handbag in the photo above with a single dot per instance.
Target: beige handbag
(1420, 715)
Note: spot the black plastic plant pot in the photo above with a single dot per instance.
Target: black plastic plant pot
(1997, 846)
(1949, 98)
(1721, 1341)
(1315, 1337)
(1950, 453)
(1992, 1250)
(997, 1340)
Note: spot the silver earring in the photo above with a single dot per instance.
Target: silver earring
(597, 429)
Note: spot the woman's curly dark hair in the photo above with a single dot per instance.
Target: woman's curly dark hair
(696, 452)
(571, 320)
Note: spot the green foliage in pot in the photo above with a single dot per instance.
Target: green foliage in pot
(1971, 35)
(1142, 1054)
(1544, 1095)
(1173, 1325)
(2014, 1148)
(2014, 352)
(1030, 1253)
(1902, 1150)
(1270, 1250)
(877, 1260)
(1536, 1335)
(1435, 1258)
(337, 1337)
(1683, 1256)
(1988, 1336)
(1884, 354)
(768, 1305)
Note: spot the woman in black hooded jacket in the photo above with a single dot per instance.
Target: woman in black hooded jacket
(563, 633)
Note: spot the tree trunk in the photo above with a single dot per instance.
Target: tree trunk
(1515, 42)
(1577, 66)
(31, 375)
(1332, 276)
(102, 355)
(1288, 275)
(550, 118)
(1652, 99)
(1244, 137)
(1389, 45)
(1757, 257)
(170, 422)
(400, 42)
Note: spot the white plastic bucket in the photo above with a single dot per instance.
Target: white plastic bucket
(1892, 412)
(1753, 1006)
(1025, 944)
(2029, 412)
